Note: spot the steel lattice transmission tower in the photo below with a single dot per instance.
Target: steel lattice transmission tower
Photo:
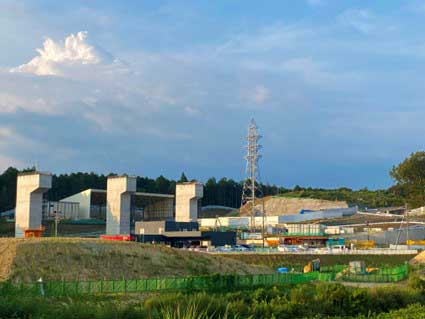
(250, 187)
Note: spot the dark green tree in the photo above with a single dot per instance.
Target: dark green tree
(410, 175)
(162, 185)
(183, 178)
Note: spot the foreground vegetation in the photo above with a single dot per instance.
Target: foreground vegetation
(301, 301)
(285, 260)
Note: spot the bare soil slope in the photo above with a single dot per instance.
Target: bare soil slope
(93, 259)
(419, 259)
(7, 253)
(290, 205)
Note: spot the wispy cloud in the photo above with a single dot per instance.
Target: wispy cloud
(326, 73)
(360, 19)
(261, 94)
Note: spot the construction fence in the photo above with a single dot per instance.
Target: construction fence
(213, 282)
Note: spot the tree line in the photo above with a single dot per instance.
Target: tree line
(408, 175)
(225, 192)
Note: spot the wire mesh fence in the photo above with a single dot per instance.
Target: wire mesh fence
(380, 275)
(212, 282)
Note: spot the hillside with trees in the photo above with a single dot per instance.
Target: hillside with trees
(409, 188)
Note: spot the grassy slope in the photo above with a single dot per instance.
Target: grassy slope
(7, 253)
(279, 260)
(91, 259)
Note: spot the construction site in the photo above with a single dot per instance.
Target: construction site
(136, 183)
(276, 223)
(137, 235)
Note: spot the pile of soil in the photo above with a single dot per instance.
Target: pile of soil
(291, 205)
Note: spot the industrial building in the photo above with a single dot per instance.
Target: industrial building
(144, 206)
(181, 234)
(159, 218)
(244, 222)
(119, 205)
(150, 216)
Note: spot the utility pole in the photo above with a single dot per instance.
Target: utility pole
(367, 225)
(252, 170)
(407, 224)
(263, 229)
(57, 219)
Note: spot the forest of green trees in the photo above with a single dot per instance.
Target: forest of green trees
(409, 177)
(226, 192)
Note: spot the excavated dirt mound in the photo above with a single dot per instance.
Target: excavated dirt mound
(94, 259)
(419, 259)
(290, 205)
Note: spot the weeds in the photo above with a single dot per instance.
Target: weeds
(296, 301)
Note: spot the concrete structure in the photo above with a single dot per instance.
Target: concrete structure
(84, 200)
(65, 210)
(187, 201)
(118, 204)
(92, 205)
(29, 200)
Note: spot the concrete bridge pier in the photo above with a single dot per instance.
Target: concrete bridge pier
(118, 204)
(187, 199)
(29, 201)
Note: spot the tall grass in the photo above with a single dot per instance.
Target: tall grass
(301, 301)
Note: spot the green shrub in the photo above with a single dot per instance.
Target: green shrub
(324, 300)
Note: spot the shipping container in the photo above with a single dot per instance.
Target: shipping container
(333, 230)
(251, 236)
(305, 229)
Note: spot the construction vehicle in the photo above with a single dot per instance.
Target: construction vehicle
(363, 244)
(313, 265)
(272, 241)
(356, 268)
(415, 242)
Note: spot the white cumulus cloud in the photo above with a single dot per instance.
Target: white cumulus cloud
(75, 50)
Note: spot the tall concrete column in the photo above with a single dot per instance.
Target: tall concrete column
(187, 197)
(29, 200)
(118, 204)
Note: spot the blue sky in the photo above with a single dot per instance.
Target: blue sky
(161, 87)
